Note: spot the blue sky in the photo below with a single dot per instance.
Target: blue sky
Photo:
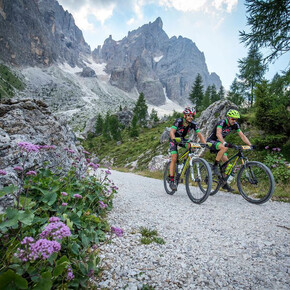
(213, 25)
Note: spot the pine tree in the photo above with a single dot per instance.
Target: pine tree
(140, 110)
(196, 94)
(153, 116)
(99, 124)
(214, 95)
(206, 98)
(221, 93)
(269, 26)
(252, 71)
(106, 130)
(235, 94)
(134, 131)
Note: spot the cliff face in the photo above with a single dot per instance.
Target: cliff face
(156, 65)
(39, 32)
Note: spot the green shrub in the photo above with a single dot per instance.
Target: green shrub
(64, 213)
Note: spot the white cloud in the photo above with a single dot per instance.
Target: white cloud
(200, 5)
(131, 21)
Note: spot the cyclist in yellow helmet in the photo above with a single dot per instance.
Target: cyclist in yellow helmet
(219, 145)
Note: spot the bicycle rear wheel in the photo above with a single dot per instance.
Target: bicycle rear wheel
(198, 181)
(256, 182)
(166, 178)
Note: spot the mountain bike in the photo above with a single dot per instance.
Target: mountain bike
(196, 172)
(255, 180)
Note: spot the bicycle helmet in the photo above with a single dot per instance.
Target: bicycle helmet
(189, 110)
(233, 114)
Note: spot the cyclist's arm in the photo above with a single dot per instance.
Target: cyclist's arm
(219, 135)
(244, 138)
(172, 133)
(200, 136)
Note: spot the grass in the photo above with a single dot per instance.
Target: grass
(9, 82)
(150, 236)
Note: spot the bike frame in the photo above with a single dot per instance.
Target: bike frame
(236, 158)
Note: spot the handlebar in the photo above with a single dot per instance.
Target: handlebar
(243, 147)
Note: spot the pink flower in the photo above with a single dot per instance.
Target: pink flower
(3, 172)
(108, 172)
(119, 232)
(77, 196)
(267, 147)
(31, 173)
(28, 147)
(64, 193)
(18, 168)
(54, 219)
(86, 152)
(102, 204)
(70, 274)
(64, 204)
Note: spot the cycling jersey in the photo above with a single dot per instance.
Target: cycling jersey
(181, 130)
(226, 129)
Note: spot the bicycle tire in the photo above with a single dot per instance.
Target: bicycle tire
(254, 190)
(215, 183)
(198, 190)
(166, 177)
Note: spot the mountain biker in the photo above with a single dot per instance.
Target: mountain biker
(180, 128)
(219, 146)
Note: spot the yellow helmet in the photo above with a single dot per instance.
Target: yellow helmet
(233, 114)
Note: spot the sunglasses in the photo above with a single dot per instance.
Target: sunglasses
(233, 119)
(190, 115)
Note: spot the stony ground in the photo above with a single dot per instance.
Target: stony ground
(224, 243)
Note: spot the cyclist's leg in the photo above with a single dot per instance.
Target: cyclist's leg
(173, 153)
(221, 152)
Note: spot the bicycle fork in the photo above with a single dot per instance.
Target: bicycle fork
(198, 175)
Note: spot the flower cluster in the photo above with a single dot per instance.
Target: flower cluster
(119, 232)
(28, 147)
(95, 166)
(3, 172)
(78, 196)
(18, 168)
(42, 248)
(55, 229)
(274, 149)
(31, 173)
(70, 274)
(102, 204)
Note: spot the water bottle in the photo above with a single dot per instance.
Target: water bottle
(230, 179)
(179, 168)
(228, 169)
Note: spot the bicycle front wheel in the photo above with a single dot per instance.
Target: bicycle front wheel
(166, 179)
(256, 182)
(198, 181)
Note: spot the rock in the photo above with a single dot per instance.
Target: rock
(165, 135)
(158, 163)
(88, 72)
(30, 121)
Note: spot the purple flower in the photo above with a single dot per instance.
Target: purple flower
(56, 230)
(108, 172)
(77, 196)
(70, 274)
(64, 193)
(42, 248)
(31, 173)
(71, 151)
(64, 204)
(28, 147)
(274, 149)
(54, 219)
(3, 172)
(267, 147)
(18, 168)
(119, 232)
(278, 149)
(102, 204)
(86, 152)
(95, 166)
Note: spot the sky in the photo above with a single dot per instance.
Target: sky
(213, 25)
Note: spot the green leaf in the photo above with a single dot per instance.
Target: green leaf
(12, 215)
(49, 198)
(45, 282)
(85, 240)
(10, 280)
(60, 266)
(83, 269)
(8, 190)
(26, 217)
(52, 258)
(75, 248)
(75, 219)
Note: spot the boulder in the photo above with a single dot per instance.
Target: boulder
(30, 121)
(158, 163)
(88, 72)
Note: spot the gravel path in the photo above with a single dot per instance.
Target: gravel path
(224, 243)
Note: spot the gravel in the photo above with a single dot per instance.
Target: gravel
(224, 243)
